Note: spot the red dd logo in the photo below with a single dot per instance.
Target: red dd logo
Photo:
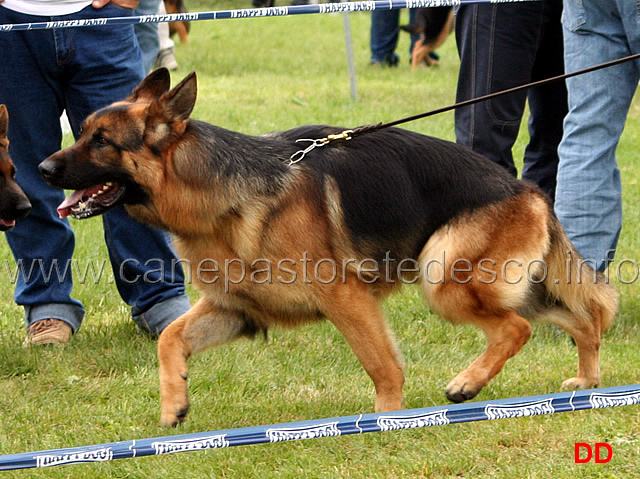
(584, 448)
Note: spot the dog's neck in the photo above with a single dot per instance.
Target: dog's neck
(247, 173)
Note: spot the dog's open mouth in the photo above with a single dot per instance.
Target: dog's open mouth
(91, 201)
(6, 225)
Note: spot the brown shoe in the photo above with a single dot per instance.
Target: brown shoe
(48, 331)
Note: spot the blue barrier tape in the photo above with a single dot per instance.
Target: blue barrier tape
(338, 426)
(249, 13)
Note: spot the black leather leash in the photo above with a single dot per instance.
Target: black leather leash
(379, 126)
(349, 134)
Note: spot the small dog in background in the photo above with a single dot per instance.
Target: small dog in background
(180, 28)
(14, 204)
(434, 25)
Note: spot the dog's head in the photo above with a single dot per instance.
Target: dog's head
(121, 153)
(14, 204)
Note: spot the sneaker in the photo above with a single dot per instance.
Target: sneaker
(48, 331)
(167, 59)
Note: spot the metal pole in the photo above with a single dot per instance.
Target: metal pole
(349, 45)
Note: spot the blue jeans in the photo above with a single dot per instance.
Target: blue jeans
(384, 34)
(502, 46)
(78, 70)
(147, 33)
(589, 192)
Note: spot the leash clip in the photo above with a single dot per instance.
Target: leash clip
(345, 135)
(300, 154)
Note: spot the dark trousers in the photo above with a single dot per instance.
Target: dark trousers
(502, 46)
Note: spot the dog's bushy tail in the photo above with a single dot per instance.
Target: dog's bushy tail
(575, 283)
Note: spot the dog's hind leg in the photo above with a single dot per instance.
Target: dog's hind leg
(474, 273)
(200, 328)
(420, 54)
(357, 315)
(505, 337)
(487, 303)
(579, 300)
(586, 334)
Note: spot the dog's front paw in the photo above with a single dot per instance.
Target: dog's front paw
(580, 383)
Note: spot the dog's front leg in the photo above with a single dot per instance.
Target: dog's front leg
(357, 315)
(202, 327)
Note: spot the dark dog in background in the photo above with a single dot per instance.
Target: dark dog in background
(14, 204)
(183, 28)
(434, 25)
(422, 209)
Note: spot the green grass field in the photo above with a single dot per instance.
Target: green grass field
(260, 75)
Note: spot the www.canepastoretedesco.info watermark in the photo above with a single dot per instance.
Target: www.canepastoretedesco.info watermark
(309, 270)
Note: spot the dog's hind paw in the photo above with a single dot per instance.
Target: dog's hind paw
(172, 419)
(459, 390)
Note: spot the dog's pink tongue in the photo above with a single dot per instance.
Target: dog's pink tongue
(64, 209)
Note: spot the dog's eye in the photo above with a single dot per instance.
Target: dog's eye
(101, 140)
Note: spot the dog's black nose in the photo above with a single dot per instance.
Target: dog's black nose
(49, 169)
(22, 209)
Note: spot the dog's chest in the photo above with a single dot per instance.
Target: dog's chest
(276, 290)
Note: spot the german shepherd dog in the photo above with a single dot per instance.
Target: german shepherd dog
(14, 204)
(345, 226)
(434, 24)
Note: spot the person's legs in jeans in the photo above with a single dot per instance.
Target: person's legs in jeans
(147, 33)
(143, 261)
(589, 191)
(150, 277)
(30, 87)
(37, 67)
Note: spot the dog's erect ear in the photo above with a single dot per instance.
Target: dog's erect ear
(152, 87)
(4, 121)
(168, 115)
(177, 104)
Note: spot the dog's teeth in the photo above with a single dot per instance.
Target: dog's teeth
(108, 183)
(94, 195)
